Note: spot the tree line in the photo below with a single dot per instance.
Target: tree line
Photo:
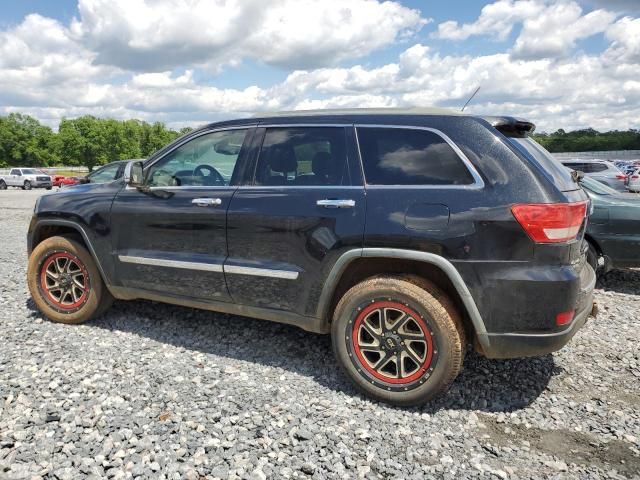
(589, 140)
(89, 141)
(85, 141)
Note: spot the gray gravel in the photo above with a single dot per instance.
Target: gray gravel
(155, 391)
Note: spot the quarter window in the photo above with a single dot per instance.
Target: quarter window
(304, 156)
(208, 160)
(402, 156)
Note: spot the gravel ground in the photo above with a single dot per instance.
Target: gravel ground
(156, 391)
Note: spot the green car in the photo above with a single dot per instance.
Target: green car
(613, 231)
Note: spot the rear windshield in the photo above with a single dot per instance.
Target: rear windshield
(552, 168)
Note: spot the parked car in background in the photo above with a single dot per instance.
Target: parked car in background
(64, 181)
(633, 181)
(613, 230)
(108, 173)
(601, 170)
(25, 178)
(406, 234)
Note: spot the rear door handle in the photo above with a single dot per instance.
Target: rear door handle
(331, 203)
(207, 202)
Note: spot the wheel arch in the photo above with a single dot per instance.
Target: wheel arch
(358, 264)
(50, 228)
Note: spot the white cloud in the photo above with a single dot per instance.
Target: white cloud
(50, 70)
(496, 19)
(554, 31)
(549, 29)
(158, 35)
(625, 37)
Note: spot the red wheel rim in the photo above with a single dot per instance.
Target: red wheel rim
(64, 281)
(392, 342)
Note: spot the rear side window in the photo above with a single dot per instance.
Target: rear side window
(599, 167)
(303, 156)
(403, 156)
(552, 168)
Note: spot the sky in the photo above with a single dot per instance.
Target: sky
(560, 63)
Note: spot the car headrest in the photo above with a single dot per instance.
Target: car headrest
(283, 160)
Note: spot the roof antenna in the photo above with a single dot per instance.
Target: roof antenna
(471, 98)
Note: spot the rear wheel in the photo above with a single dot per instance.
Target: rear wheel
(27, 185)
(65, 283)
(3, 185)
(399, 339)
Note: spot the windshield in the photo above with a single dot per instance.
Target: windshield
(597, 187)
(552, 167)
(29, 171)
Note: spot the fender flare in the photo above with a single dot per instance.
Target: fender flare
(447, 267)
(76, 226)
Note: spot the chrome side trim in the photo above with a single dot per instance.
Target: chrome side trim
(261, 272)
(446, 266)
(161, 262)
(478, 183)
(210, 267)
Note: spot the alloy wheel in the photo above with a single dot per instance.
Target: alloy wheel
(64, 281)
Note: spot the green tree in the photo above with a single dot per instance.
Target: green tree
(24, 141)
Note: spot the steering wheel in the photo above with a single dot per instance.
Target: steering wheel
(210, 175)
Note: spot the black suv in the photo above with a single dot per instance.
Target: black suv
(405, 234)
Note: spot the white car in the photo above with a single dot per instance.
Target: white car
(25, 178)
(633, 181)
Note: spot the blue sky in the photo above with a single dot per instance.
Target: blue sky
(562, 63)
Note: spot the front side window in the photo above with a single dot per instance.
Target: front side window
(303, 156)
(402, 156)
(105, 174)
(208, 160)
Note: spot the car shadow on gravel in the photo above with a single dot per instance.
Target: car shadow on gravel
(620, 281)
(485, 385)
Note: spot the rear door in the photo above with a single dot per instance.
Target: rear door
(304, 207)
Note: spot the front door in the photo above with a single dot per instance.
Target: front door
(169, 236)
(305, 207)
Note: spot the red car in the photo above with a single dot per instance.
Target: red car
(62, 181)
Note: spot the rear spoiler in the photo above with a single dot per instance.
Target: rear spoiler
(511, 126)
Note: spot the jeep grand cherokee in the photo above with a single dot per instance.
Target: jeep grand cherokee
(406, 234)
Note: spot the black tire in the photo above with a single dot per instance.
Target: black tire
(3, 185)
(429, 344)
(48, 188)
(65, 283)
(27, 185)
(592, 257)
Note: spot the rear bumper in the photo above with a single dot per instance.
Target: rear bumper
(528, 344)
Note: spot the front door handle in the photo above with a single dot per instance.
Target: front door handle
(331, 203)
(207, 202)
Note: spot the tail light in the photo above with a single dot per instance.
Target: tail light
(550, 222)
(621, 177)
(635, 177)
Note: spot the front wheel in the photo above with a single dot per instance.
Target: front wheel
(27, 185)
(3, 185)
(399, 339)
(65, 283)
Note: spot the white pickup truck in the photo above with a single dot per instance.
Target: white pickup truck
(25, 178)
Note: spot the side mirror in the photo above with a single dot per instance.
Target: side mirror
(133, 175)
